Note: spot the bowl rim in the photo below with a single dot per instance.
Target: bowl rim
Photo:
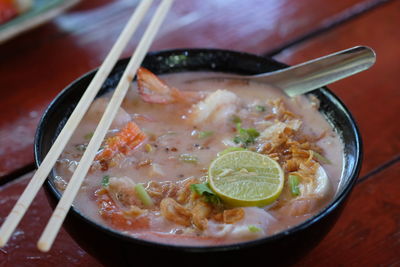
(338, 199)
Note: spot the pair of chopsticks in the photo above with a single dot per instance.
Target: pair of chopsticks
(53, 226)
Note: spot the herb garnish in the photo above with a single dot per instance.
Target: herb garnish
(254, 229)
(205, 191)
(260, 108)
(105, 181)
(204, 134)
(236, 119)
(244, 136)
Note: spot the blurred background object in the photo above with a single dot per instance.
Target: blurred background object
(17, 16)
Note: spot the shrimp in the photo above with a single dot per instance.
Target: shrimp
(124, 141)
(175, 212)
(200, 213)
(312, 191)
(115, 216)
(215, 108)
(122, 191)
(154, 90)
(320, 187)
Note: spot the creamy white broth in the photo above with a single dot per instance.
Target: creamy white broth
(180, 136)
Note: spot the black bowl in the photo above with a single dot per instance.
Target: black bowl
(114, 248)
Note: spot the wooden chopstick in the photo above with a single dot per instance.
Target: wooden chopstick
(56, 220)
(44, 169)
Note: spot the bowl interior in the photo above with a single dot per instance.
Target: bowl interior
(183, 60)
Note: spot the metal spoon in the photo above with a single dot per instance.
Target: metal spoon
(315, 73)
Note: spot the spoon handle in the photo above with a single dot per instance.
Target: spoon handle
(319, 72)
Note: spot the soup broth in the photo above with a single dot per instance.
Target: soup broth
(165, 136)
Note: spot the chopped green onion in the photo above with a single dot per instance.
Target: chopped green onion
(148, 148)
(143, 195)
(105, 181)
(188, 158)
(230, 149)
(294, 184)
(88, 136)
(260, 108)
(253, 132)
(204, 134)
(205, 191)
(245, 136)
(236, 119)
(254, 229)
(320, 158)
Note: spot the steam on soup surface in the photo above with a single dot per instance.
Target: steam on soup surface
(149, 179)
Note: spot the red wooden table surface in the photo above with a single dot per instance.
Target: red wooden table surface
(35, 66)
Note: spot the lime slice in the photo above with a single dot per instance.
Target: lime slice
(245, 178)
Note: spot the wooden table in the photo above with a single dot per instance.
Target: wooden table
(35, 66)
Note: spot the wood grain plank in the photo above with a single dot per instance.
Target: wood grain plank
(368, 231)
(372, 96)
(21, 249)
(35, 66)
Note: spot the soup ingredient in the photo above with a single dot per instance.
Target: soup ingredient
(319, 187)
(254, 229)
(294, 184)
(252, 224)
(216, 108)
(105, 181)
(154, 90)
(245, 137)
(200, 213)
(245, 178)
(205, 134)
(124, 141)
(148, 148)
(307, 192)
(205, 191)
(175, 212)
(110, 212)
(143, 196)
(320, 158)
(260, 108)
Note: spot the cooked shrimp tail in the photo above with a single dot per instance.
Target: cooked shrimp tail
(154, 90)
(124, 141)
